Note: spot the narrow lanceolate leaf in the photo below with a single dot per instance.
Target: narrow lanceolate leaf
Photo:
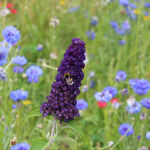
(32, 114)
(40, 144)
(73, 125)
(71, 142)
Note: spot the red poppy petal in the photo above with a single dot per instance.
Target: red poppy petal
(9, 5)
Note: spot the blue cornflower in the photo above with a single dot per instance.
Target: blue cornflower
(33, 73)
(11, 34)
(124, 2)
(140, 86)
(133, 109)
(74, 9)
(18, 95)
(120, 31)
(21, 146)
(94, 21)
(147, 4)
(111, 91)
(103, 97)
(146, 102)
(132, 6)
(39, 47)
(18, 69)
(120, 76)
(14, 106)
(90, 35)
(92, 84)
(114, 24)
(148, 135)
(131, 13)
(3, 54)
(126, 128)
(146, 13)
(126, 26)
(3, 76)
(19, 60)
(122, 42)
(81, 104)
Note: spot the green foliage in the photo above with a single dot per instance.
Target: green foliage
(96, 126)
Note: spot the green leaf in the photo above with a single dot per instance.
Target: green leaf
(73, 125)
(40, 144)
(71, 142)
(32, 114)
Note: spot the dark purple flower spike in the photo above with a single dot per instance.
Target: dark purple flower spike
(62, 99)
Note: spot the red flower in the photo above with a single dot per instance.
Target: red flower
(102, 104)
(114, 100)
(9, 5)
(149, 148)
(14, 11)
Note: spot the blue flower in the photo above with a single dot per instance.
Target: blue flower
(33, 73)
(92, 84)
(74, 9)
(146, 102)
(120, 76)
(147, 4)
(21, 146)
(3, 54)
(39, 47)
(124, 2)
(111, 91)
(146, 13)
(122, 42)
(131, 13)
(133, 109)
(81, 104)
(18, 95)
(132, 6)
(19, 60)
(148, 135)
(114, 24)
(3, 76)
(126, 26)
(94, 21)
(18, 69)
(14, 106)
(120, 31)
(103, 97)
(126, 129)
(11, 34)
(140, 86)
(90, 35)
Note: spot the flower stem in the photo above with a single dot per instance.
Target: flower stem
(51, 139)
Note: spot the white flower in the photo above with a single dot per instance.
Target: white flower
(53, 56)
(131, 101)
(4, 12)
(54, 22)
(110, 143)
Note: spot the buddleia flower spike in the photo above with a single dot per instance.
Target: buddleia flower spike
(62, 99)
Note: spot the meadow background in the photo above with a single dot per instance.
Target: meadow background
(96, 126)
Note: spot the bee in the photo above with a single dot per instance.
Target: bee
(68, 79)
(13, 141)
